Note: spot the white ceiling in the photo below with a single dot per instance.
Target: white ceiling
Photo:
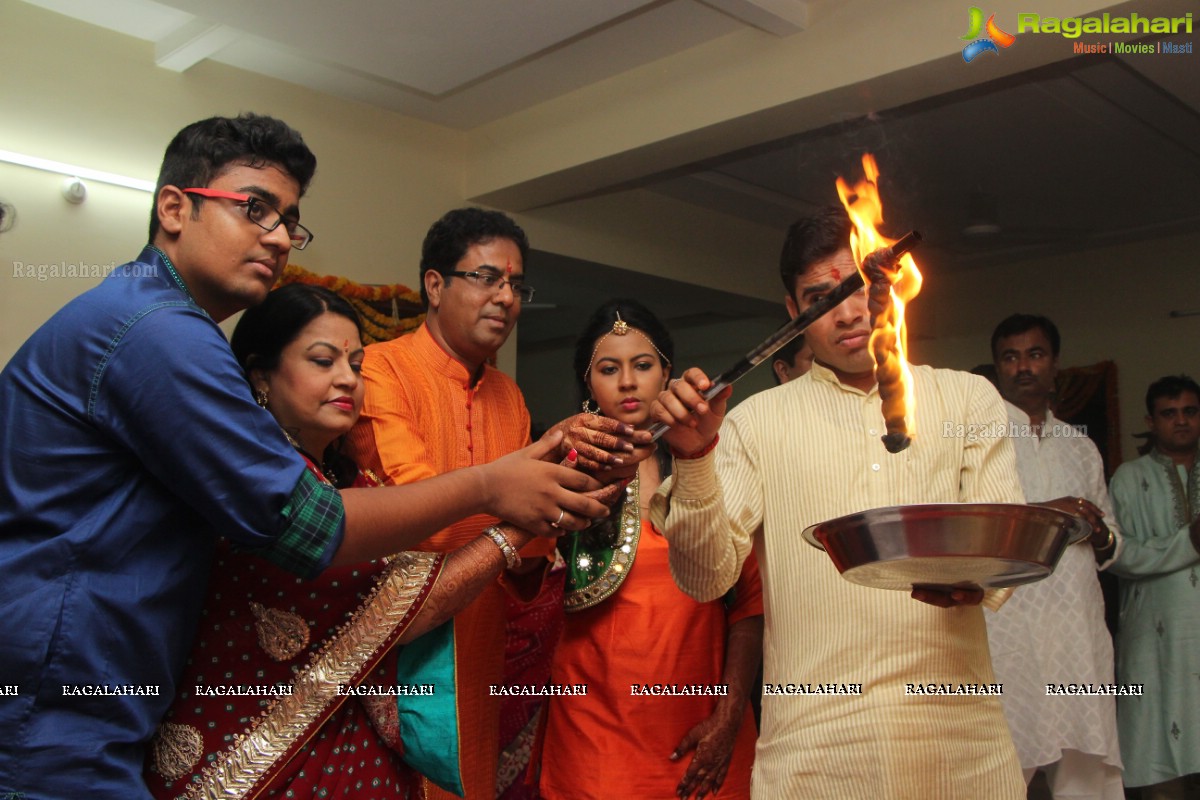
(459, 63)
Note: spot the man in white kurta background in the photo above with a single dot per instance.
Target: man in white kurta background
(809, 451)
(1053, 631)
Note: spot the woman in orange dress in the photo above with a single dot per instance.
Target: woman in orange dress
(292, 685)
(667, 710)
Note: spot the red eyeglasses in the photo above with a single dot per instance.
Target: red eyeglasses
(262, 214)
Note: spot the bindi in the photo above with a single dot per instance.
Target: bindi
(837, 274)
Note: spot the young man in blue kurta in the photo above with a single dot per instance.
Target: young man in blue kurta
(129, 441)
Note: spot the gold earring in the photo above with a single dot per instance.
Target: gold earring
(588, 410)
(260, 397)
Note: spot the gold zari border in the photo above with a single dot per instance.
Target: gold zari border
(239, 772)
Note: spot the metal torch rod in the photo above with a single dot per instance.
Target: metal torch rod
(794, 327)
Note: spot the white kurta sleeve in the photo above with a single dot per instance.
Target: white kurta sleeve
(989, 464)
(1097, 492)
(709, 511)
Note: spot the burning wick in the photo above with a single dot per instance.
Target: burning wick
(880, 269)
(894, 281)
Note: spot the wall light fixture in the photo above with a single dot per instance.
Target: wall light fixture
(73, 171)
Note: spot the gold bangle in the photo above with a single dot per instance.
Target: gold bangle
(511, 557)
(1112, 537)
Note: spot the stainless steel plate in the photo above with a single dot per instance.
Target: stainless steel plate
(948, 545)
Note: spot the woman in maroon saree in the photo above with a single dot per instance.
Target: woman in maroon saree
(291, 686)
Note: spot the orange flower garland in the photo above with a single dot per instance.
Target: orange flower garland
(386, 311)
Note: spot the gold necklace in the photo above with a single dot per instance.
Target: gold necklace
(327, 474)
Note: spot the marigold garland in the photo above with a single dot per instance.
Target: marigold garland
(348, 288)
(386, 311)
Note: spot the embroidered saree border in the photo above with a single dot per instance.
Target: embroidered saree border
(241, 771)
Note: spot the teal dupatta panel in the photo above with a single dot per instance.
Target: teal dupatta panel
(429, 723)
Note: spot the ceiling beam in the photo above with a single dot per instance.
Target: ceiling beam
(187, 46)
(780, 17)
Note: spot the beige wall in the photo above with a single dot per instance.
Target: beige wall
(80, 94)
(1109, 304)
(105, 231)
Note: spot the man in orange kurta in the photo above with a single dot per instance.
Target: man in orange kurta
(433, 404)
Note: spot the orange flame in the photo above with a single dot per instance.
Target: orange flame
(889, 337)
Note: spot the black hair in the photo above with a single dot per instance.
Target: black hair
(451, 236)
(601, 322)
(635, 315)
(786, 354)
(1021, 323)
(1170, 387)
(265, 330)
(813, 239)
(200, 151)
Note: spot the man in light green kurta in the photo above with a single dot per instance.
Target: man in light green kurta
(1157, 501)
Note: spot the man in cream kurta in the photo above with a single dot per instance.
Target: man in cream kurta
(809, 451)
(1052, 632)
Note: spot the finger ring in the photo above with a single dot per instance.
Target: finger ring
(561, 513)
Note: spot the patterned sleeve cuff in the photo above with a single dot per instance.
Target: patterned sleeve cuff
(695, 478)
(313, 527)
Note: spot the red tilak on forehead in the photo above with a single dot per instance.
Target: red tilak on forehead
(837, 274)
(346, 345)
(508, 266)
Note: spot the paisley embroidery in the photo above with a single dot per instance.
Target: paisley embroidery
(385, 719)
(176, 750)
(282, 634)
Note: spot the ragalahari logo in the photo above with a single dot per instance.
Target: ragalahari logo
(994, 37)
